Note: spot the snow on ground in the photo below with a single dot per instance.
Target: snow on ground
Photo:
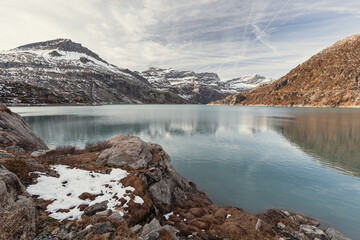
(167, 216)
(66, 189)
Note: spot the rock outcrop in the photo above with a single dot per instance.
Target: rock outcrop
(328, 79)
(166, 187)
(18, 217)
(15, 134)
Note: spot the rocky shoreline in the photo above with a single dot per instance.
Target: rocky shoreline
(131, 191)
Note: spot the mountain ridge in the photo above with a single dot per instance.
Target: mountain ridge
(60, 44)
(330, 78)
(201, 87)
(64, 72)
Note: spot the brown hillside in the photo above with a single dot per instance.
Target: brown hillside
(328, 79)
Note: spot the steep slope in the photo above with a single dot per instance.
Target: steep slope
(199, 87)
(328, 79)
(17, 135)
(62, 72)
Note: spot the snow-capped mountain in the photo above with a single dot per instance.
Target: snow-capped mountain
(199, 87)
(246, 82)
(62, 72)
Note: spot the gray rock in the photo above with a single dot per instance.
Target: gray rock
(39, 153)
(127, 150)
(281, 225)
(17, 135)
(33, 164)
(97, 207)
(82, 233)
(313, 231)
(6, 155)
(69, 225)
(101, 228)
(18, 217)
(174, 232)
(149, 227)
(135, 229)
(153, 235)
(15, 149)
(161, 192)
(116, 217)
(105, 213)
(166, 186)
(335, 235)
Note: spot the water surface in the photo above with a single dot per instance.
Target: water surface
(301, 159)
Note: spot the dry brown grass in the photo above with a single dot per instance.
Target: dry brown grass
(165, 235)
(97, 147)
(137, 212)
(71, 157)
(86, 195)
(21, 169)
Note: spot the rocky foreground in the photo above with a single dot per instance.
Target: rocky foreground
(123, 188)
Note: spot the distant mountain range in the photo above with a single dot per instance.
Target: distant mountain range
(63, 72)
(199, 87)
(330, 78)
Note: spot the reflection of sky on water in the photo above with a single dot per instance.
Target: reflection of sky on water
(327, 135)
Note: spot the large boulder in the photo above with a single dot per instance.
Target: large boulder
(126, 151)
(17, 208)
(15, 134)
(166, 187)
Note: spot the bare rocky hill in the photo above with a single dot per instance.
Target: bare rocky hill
(63, 72)
(328, 79)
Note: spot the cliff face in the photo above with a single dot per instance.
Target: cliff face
(63, 72)
(328, 79)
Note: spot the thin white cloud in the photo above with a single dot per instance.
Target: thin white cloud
(232, 37)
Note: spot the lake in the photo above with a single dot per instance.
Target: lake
(301, 159)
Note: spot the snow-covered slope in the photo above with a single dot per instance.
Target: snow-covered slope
(199, 87)
(245, 83)
(61, 71)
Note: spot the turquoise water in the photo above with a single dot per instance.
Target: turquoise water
(301, 159)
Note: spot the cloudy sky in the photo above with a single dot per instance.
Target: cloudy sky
(229, 37)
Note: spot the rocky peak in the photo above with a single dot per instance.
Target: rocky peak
(60, 44)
